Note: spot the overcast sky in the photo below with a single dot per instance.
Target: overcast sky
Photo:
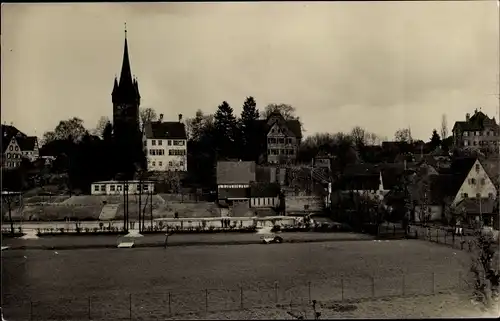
(381, 65)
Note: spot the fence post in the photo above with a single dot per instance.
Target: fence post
(433, 283)
(170, 303)
(130, 306)
(309, 290)
(403, 285)
(206, 300)
(342, 287)
(89, 309)
(276, 292)
(241, 297)
(373, 286)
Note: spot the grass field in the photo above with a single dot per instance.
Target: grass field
(154, 283)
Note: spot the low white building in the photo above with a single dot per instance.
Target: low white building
(165, 145)
(116, 187)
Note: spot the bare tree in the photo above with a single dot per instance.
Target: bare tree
(358, 135)
(287, 111)
(444, 127)
(403, 135)
(147, 115)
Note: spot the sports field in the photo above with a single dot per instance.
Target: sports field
(155, 283)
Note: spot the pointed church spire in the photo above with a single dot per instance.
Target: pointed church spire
(126, 73)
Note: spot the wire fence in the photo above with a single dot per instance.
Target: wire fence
(115, 305)
(446, 236)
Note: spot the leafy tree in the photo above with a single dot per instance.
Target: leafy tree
(71, 129)
(403, 135)
(197, 126)
(101, 125)
(248, 129)
(225, 131)
(435, 140)
(485, 270)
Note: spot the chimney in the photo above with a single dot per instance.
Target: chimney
(467, 117)
(161, 118)
(180, 118)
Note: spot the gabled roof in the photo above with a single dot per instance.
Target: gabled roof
(479, 121)
(165, 130)
(9, 131)
(264, 190)
(293, 125)
(474, 206)
(229, 172)
(27, 143)
(459, 169)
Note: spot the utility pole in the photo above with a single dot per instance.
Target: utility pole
(151, 203)
(140, 196)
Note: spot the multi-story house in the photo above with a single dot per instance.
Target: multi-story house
(165, 144)
(282, 138)
(233, 181)
(16, 146)
(478, 131)
(465, 184)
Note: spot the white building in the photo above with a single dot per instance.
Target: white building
(18, 147)
(165, 144)
(116, 187)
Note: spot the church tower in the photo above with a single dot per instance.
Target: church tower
(126, 100)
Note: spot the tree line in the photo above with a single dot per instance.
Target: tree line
(86, 155)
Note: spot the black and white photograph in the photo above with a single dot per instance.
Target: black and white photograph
(250, 160)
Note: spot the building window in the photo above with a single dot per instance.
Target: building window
(490, 195)
(281, 140)
(103, 188)
(159, 142)
(181, 163)
(145, 188)
(478, 134)
(258, 201)
(11, 148)
(477, 168)
(474, 143)
(96, 188)
(478, 195)
(8, 155)
(154, 163)
(466, 133)
(169, 142)
(178, 143)
(160, 163)
(288, 140)
(483, 181)
(17, 148)
(153, 142)
(176, 152)
(112, 188)
(145, 143)
(170, 163)
(465, 195)
(119, 188)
